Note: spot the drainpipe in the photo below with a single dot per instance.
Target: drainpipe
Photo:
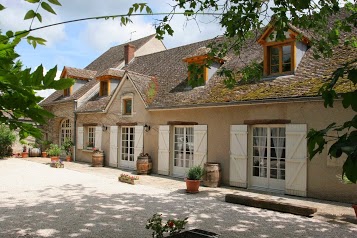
(75, 129)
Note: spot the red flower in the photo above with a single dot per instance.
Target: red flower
(170, 224)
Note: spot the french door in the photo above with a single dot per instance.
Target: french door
(183, 150)
(268, 158)
(127, 148)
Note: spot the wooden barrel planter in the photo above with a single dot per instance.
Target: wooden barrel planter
(98, 159)
(144, 164)
(35, 152)
(212, 175)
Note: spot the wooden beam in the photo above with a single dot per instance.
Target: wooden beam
(181, 123)
(127, 123)
(266, 121)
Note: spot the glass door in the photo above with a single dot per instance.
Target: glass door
(183, 150)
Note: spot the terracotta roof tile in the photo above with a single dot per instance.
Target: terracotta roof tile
(113, 57)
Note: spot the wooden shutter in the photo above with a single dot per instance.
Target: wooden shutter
(98, 137)
(164, 150)
(139, 141)
(80, 138)
(238, 156)
(113, 150)
(200, 145)
(296, 160)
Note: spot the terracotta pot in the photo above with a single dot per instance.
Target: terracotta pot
(25, 154)
(355, 207)
(44, 154)
(192, 186)
(54, 158)
(68, 158)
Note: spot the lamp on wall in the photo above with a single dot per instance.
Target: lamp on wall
(147, 128)
(104, 128)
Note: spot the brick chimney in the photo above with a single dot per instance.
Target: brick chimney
(129, 51)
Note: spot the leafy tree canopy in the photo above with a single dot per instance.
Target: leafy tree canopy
(18, 98)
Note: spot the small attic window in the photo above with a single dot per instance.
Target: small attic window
(67, 92)
(104, 88)
(282, 57)
(198, 71)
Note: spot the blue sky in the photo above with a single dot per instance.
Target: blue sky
(78, 44)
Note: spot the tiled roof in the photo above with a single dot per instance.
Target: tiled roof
(95, 104)
(101, 66)
(113, 57)
(57, 97)
(171, 74)
(79, 73)
(112, 72)
(145, 85)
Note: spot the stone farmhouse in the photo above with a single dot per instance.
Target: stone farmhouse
(135, 98)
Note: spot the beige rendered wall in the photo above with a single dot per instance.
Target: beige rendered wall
(152, 46)
(112, 117)
(322, 172)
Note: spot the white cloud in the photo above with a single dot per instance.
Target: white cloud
(12, 19)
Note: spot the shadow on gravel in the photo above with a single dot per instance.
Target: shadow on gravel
(83, 211)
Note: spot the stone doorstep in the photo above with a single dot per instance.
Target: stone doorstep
(270, 204)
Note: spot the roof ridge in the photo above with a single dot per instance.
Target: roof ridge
(136, 73)
(182, 46)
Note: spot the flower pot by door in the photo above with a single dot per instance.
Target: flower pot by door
(192, 186)
(25, 154)
(44, 154)
(68, 158)
(54, 158)
(97, 159)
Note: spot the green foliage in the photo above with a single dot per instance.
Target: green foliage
(54, 150)
(18, 84)
(172, 226)
(195, 173)
(7, 138)
(252, 73)
(196, 75)
(67, 145)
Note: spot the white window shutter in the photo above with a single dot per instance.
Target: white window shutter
(113, 151)
(200, 145)
(80, 138)
(98, 137)
(164, 150)
(238, 156)
(296, 160)
(139, 142)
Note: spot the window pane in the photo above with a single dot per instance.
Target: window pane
(274, 51)
(128, 106)
(286, 67)
(274, 69)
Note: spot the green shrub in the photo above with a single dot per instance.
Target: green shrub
(7, 138)
(54, 150)
(195, 173)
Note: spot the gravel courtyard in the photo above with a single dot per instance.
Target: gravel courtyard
(39, 201)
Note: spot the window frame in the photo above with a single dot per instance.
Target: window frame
(130, 147)
(67, 92)
(281, 58)
(102, 92)
(90, 136)
(125, 103)
(185, 152)
(65, 130)
(127, 96)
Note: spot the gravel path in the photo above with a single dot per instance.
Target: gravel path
(39, 201)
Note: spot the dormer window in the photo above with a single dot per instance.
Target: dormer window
(282, 57)
(67, 92)
(104, 88)
(198, 72)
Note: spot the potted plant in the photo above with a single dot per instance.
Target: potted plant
(67, 147)
(54, 151)
(25, 153)
(193, 178)
(44, 147)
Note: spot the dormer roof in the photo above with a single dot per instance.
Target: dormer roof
(111, 73)
(200, 54)
(78, 73)
(293, 32)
